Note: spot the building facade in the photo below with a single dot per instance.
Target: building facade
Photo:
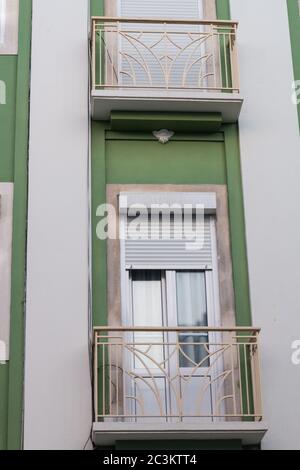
(148, 190)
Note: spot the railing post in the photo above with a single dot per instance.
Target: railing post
(96, 397)
(93, 54)
(256, 371)
(234, 60)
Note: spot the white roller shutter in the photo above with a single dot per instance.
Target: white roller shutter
(175, 9)
(144, 59)
(160, 248)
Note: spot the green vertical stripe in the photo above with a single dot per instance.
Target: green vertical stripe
(16, 364)
(3, 405)
(237, 226)
(97, 7)
(223, 9)
(98, 182)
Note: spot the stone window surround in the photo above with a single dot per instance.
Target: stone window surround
(227, 304)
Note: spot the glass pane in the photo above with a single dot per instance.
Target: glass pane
(147, 312)
(191, 299)
(147, 298)
(192, 311)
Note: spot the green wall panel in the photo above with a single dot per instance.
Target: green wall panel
(8, 68)
(3, 405)
(142, 160)
(98, 181)
(147, 162)
(16, 362)
(97, 7)
(136, 158)
(237, 226)
(223, 9)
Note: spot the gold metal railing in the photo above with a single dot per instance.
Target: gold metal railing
(164, 54)
(176, 374)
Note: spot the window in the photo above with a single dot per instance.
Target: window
(173, 299)
(169, 287)
(157, 49)
(9, 14)
(158, 54)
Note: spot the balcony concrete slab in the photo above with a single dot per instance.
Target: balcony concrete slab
(104, 102)
(108, 432)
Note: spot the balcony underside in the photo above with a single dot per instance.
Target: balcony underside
(249, 433)
(104, 102)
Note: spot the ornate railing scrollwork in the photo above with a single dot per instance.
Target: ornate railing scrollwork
(164, 54)
(177, 374)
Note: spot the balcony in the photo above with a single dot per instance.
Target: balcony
(148, 65)
(177, 383)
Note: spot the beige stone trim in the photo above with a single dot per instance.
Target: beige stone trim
(209, 10)
(227, 309)
(111, 8)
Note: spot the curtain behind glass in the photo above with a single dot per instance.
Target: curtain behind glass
(147, 312)
(192, 311)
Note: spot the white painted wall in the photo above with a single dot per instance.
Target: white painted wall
(270, 152)
(57, 381)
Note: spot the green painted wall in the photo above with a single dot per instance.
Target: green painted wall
(294, 21)
(137, 158)
(14, 120)
(178, 162)
(97, 7)
(4, 370)
(140, 159)
(223, 9)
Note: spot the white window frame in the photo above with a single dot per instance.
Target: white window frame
(211, 275)
(208, 200)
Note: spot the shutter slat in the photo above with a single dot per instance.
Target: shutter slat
(165, 254)
(175, 9)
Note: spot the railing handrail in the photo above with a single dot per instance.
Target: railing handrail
(204, 329)
(117, 19)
